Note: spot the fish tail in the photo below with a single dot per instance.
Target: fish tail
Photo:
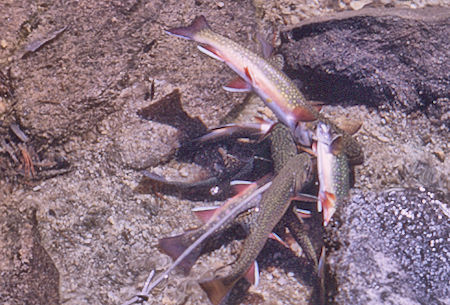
(189, 31)
(217, 289)
(328, 203)
(176, 246)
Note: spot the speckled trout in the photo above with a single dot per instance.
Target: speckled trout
(333, 171)
(292, 173)
(274, 87)
(263, 77)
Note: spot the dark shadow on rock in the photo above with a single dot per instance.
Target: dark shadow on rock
(377, 57)
(223, 160)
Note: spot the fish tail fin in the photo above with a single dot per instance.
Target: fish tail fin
(176, 246)
(328, 203)
(217, 289)
(188, 32)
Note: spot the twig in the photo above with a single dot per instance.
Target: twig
(143, 296)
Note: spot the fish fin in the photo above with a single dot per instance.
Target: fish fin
(267, 48)
(304, 114)
(252, 274)
(175, 246)
(308, 150)
(239, 186)
(337, 146)
(301, 213)
(216, 289)
(204, 214)
(277, 238)
(248, 75)
(304, 197)
(328, 202)
(264, 121)
(237, 84)
(188, 32)
(210, 51)
(321, 269)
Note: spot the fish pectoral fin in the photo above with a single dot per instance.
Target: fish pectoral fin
(277, 238)
(303, 114)
(252, 274)
(321, 269)
(304, 197)
(328, 201)
(210, 51)
(239, 187)
(337, 146)
(248, 74)
(301, 213)
(237, 84)
(204, 214)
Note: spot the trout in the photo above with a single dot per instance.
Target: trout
(333, 171)
(292, 172)
(257, 74)
(176, 246)
(263, 77)
(274, 203)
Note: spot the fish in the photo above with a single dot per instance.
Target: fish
(333, 171)
(274, 204)
(221, 221)
(265, 78)
(256, 73)
(176, 245)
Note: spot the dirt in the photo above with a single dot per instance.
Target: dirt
(76, 99)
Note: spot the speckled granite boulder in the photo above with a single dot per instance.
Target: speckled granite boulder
(391, 248)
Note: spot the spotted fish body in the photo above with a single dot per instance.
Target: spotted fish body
(292, 172)
(175, 246)
(333, 171)
(275, 88)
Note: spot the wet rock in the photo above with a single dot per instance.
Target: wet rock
(28, 274)
(375, 57)
(392, 248)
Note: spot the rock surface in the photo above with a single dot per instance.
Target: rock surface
(373, 57)
(392, 248)
(75, 98)
(27, 273)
